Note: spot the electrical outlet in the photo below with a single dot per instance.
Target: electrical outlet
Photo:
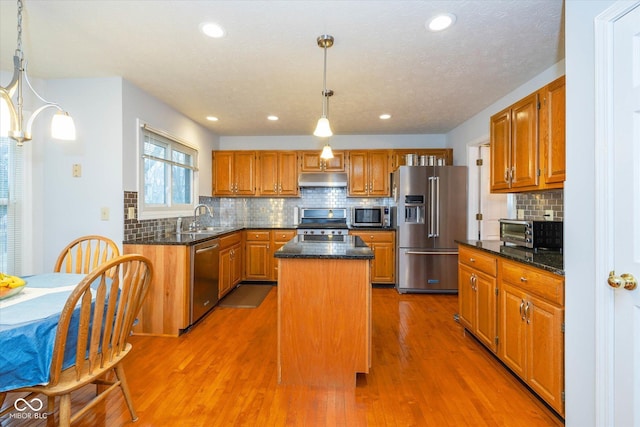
(104, 214)
(76, 171)
(548, 215)
(520, 214)
(131, 213)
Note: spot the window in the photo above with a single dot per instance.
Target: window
(11, 202)
(168, 176)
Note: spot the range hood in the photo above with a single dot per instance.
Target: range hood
(322, 179)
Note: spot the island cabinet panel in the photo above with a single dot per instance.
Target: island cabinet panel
(165, 310)
(324, 321)
(278, 240)
(310, 161)
(531, 318)
(477, 295)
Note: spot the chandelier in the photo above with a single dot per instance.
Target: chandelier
(12, 114)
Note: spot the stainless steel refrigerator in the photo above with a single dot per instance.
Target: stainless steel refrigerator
(430, 214)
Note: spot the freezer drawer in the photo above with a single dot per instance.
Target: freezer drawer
(429, 271)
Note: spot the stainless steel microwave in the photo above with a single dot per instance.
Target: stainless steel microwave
(532, 234)
(371, 216)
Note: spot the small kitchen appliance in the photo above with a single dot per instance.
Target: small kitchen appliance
(532, 234)
(371, 216)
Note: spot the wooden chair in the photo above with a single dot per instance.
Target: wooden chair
(102, 309)
(85, 253)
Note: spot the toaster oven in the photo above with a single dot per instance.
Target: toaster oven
(532, 234)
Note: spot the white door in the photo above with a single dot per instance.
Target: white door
(621, 209)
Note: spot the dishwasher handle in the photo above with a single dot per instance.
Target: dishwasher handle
(208, 248)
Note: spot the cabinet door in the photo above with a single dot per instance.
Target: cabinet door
(378, 173)
(257, 263)
(236, 264)
(383, 265)
(288, 173)
(485, 319)
(267, 167)
(552, 134)
(545, 351)
(223, 180)
(336, 164)
(311, 162)
(512, 328)
(225, 272)
(466, 296)
(244, 172)
(524, 142)
(358, 179)
(500, 150)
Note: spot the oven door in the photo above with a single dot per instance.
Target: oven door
(516, 232)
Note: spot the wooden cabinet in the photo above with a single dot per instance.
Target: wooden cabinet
(165, 310)
(398, 156)
(260, 246)
(477, 294)
(234, 173)
(528, 142)
(231, 259)
(382, 243)
(369, 173)
(278, 240)
(552, 134)
(277, 174)
(531, 318)
(310, 161)
(514, 146)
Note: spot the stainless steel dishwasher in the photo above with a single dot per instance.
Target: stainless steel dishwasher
(204, 278)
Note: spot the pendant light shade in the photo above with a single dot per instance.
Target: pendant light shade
(323, 128)
(62, 127)
(326, 152)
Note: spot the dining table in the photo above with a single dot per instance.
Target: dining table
(28, 323)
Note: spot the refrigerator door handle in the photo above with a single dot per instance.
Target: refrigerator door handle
(437, 207)
(431, 210)
(431, 253)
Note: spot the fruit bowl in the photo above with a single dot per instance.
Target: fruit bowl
(10, 285)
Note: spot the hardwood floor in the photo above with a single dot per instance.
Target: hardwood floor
(425, 372)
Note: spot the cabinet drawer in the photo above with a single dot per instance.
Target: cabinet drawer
(478, 260)
(375, 236)
(258, 235)
(534, 281)
(230, 240)
(283, 236)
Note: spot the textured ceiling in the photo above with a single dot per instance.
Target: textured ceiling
(383, 59)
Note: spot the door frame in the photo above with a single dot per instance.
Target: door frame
(604, 219)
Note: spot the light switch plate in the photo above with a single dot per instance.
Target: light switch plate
(104, 214)
(548, 215)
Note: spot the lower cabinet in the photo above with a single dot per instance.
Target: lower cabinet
(477, 295)
(382, 243)
(531, 317)
(260, 245)
(231, 259)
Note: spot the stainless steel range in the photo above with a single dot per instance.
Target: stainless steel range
(323, 224)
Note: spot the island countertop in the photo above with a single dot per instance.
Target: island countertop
(353, 247)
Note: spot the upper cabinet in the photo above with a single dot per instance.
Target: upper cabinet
(369, 173)
(310, 161)
(277, 173)
(527, 142)
(234, 173)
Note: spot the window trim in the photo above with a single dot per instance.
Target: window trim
(148, 212)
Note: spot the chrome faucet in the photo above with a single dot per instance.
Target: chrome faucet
(194, 224)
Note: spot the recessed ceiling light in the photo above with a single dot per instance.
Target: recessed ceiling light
(441, 22)
(212, 29)
(385, 116)
(272, 118)
(212, 118)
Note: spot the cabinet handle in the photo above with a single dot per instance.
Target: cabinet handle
(472, 260)
(280, 188)
(526, 313)
(522, 316)
(506, 175)
(523, 279)
(511, 174)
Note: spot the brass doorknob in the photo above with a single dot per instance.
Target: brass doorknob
(625, 280)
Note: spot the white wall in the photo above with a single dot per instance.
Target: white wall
(338, 142)
(137, 104)
(579, 212)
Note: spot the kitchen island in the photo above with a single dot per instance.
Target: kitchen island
(324, 311)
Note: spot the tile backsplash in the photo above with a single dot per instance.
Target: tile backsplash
(535, 204)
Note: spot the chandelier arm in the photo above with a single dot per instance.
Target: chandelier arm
(35, 114)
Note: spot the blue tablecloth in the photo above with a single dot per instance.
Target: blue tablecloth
(28, 328)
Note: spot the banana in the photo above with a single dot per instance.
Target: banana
(8, 281)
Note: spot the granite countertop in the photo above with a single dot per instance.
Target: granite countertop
(352, 248)
(185, 238)
(550, 260)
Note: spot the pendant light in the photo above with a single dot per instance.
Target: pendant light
(62, 126)
(323, 129)
(327, 153)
